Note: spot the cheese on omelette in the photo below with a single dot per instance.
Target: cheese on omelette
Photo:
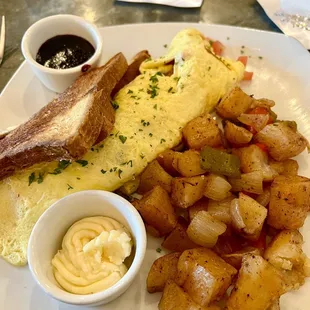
(152, 110)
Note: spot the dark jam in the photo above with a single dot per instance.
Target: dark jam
(64, 52)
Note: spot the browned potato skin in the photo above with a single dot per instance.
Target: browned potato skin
(187, 163)
(174, 298)
(289, 202)
(165, 159)
(234, 103)
(287, 167)
(259, 284)
(236, 135)
(154, 175)
(162, 270)
(200, 205)
(186, 191)
(156, 210)
(197, 265)
(235, 259)
(281, 149)
(202, 130)
(178, 240)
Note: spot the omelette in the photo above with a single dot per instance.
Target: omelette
(150, 114)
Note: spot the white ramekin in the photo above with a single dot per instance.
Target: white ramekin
(47, 235)
(59, 79)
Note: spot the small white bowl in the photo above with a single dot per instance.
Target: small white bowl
(59, 79)
(47, 235)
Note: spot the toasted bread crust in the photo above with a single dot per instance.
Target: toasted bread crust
(25, 146)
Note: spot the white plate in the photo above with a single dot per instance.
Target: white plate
(282, 75)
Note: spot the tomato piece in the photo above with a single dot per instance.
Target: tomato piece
(243, 59)
(258, 110)
(248, 76)
(262, 146)
(218, 47)
(251, 129)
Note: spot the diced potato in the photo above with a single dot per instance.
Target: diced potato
(285, 251)
(204, 229)
(154, 175)
(156, 210)
(282, 139)
(202, 130)
(174, 298)
(178, 240)
(217, 188)
(204, 275)
(130, 187)
(235, 259)
(200, 205)
(237, 135)
(248, 216)
(186, 191)
(259, 284)
(289, 202)
(252, 158)
(165, 159)
(162, 270)
(221, 209)
(187, 163)
(286, 167)
(234, 103)
(251, 182)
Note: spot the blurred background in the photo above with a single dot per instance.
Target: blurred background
(20, 14)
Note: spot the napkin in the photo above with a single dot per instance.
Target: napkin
(291, 16)
(176, 3)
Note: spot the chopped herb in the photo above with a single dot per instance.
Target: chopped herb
(165, 45)
(119, 173)
(182, 86)
(228, 38)
(111, 134)
(242, 52)
(78, 178)
(103, 171)
(69, 187)
(134, 97)
(154, 79)
(170, 89)
(82, 162)
(209, 68)
(92, 149)
(101, 146)
(162, 141)
(115, 168)
(177, 78)
(129, 91)
(92, 164)
(56, 171)
(144, 123)
(155, 106)
(242, 46)
(111, 170)
(141, 89)
(136, 103)
(150, 134)
(260, 57)
(31, 178)
(158, 250)
(63, 164)
(123, 139)
(40, 178)
(140, 129)
(115, 105)
(153, 91)
(142, 156)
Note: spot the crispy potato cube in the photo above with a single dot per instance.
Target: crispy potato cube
(259, 284)
(154, 174)
(236, 135)
(162, 270)
(289, 202)
(178, 240)
(234, 103)
(130, 187)
(186, 191)
(174, 298)
(165, 159)
(204, 275)
(156, 210)
(235, 259)
(248, 216)
(285, 251)
(282, 139)
(202, 130)
(286, 167)
(187, 163)
(252, 159)
(200, 205)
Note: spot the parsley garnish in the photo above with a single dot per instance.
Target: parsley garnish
(144, 123)
(150, 134)
(260, 57)
(82, 162)
(115, 105)
(78, 178)
(170, 89)
(119, 173)
(31, 178)
(103, 171)
(162, 141)
(153, 91)
(122, 138)
(158, 250)
(129, 91)
(177, 78)
(69, 187)
(142, 156)
(242, 52)
(40, 178)
(63, 164)
(155, 106)
(165, 45)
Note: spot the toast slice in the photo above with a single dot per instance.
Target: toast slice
(69, 125)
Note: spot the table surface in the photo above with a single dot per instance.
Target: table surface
(20, 14)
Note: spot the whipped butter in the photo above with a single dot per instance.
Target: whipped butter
(92, 255)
